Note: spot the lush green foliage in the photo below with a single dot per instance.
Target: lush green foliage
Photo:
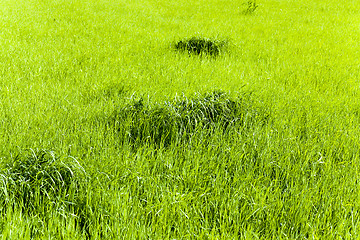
(250, 131)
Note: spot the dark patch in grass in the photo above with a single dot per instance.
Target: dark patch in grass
(181, 119)
(38, 176)
(200, 46)
(38, 180)
(251, 6)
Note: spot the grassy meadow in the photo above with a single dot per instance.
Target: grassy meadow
(114, 124)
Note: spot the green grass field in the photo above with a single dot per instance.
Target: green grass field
(112, 126)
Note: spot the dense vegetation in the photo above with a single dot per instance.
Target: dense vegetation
(152, 119)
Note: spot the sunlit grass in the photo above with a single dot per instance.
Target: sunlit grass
(140, 141)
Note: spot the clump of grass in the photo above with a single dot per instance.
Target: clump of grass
(39, 177)
(39, 181)
(182, 118)
(251, 6)
(207, 111)
(200, 46)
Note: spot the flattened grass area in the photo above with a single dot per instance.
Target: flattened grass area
(109, 132)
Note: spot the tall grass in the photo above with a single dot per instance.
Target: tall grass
(180, 120)
(257, 140)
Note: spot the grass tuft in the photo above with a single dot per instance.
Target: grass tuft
(179, 120)
(251, 6)
(39, 177)
(201, 46)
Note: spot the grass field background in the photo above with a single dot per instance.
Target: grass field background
(108, 132)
